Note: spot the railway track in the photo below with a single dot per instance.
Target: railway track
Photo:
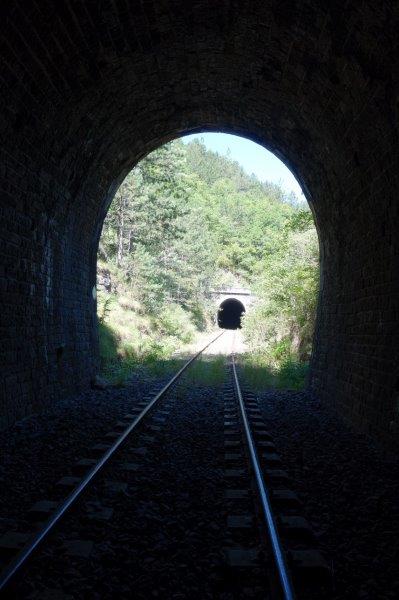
(263, 539)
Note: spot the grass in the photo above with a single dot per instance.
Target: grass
(208, 370)
(292, 375)
(260, 375)
(205, 371)
(130, 339)
(119, 360)
(117, 368)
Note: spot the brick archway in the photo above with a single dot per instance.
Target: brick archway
(88, 89)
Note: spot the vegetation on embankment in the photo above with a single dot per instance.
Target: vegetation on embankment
(187, 220)
(259, 374)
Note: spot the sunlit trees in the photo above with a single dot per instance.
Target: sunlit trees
(186, 220)
(282, 322)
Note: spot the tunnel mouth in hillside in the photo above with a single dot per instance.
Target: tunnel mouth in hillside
(230, 313)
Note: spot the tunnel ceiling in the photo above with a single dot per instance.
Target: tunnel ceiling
(89, 87)
(102, 84)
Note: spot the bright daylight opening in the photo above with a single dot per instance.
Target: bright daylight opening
(208, 231)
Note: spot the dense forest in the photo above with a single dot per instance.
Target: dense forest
(186, 220)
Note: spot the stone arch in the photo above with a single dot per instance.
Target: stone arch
(229, 313)
(243, 295)
(88, 89)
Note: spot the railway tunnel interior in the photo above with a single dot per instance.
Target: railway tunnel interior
(230, 313)
(89, 89)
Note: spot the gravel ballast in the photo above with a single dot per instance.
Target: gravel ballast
(349, 490)
(169, 526)
(167, 535)
(38, 450)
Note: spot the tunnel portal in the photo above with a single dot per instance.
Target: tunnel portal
(230, 313)
(321, 93)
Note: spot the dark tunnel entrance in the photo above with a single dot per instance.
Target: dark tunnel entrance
(230, 313)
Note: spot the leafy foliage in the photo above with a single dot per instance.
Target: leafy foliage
(282, 323)
(186, 220)
(259, 374)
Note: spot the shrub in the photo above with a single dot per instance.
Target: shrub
(260, 374)
(292, 374)
(174, 321)
(108, 344)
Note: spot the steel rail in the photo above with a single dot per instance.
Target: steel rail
(284, 577)
(26, 552)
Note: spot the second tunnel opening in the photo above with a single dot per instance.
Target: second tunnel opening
(230, 313)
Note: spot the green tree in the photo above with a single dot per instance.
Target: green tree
(186, 220)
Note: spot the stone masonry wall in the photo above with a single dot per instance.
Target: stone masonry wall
(88, 88)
